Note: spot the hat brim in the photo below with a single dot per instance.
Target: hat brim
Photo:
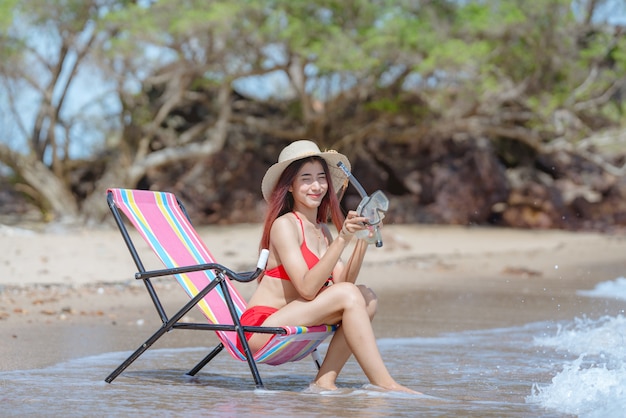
(338, 177)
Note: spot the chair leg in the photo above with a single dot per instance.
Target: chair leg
(251, 363)
(317, 359)
(136, 354)
(240, 333)
(205, 360)
(164, 328)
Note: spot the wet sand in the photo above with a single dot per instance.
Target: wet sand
(70, 293)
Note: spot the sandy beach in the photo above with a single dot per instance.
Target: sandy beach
(69, 293)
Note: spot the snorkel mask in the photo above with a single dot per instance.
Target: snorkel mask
(373, 207)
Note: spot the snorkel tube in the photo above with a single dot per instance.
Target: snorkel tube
(373, 207)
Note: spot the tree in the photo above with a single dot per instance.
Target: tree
(175, 73)
(44, 46)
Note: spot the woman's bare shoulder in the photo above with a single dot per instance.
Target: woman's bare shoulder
(284, 226)
(283, 221)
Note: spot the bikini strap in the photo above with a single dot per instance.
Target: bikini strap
(301, 226)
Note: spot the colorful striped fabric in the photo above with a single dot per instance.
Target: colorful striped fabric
(161, 222)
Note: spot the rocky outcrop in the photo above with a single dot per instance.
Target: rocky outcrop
(436, 181)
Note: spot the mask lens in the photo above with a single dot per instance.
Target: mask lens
(382, 203)
(373, 207)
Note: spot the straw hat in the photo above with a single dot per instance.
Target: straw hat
(303, 149)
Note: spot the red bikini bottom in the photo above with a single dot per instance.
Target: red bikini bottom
(254, 316)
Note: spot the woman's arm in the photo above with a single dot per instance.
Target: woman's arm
(284, 239)
(350, 271)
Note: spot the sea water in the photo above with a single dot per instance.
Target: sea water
(592, 382)
(549, 369)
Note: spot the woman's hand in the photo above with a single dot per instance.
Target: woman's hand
(352, 224)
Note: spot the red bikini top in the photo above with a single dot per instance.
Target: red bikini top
(310, 258)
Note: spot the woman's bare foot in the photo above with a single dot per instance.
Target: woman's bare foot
(320, 384)
(317, 388)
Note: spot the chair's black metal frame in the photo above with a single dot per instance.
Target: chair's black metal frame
(170, 323)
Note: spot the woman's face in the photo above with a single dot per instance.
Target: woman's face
(310, 185)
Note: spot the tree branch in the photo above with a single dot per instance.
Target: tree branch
(216, 137)
(600, 100)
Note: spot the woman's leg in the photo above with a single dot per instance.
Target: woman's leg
(342, 302)
(338, 351)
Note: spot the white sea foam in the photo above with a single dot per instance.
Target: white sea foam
(615, 289)
(592, 382)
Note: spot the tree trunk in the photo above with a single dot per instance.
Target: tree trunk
(95, 209)
(53, 191)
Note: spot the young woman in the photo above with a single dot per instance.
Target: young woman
(306, 283)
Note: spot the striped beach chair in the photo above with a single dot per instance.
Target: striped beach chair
(162, 222)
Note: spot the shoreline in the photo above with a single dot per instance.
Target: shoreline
(71, 294)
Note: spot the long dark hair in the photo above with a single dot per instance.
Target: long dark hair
(281, 200)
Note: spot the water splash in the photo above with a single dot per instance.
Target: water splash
(592, 383)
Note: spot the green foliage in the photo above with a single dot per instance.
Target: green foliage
(385, 105)
(511, 64)
(450, 50)
(7, 8)
(457, 57)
